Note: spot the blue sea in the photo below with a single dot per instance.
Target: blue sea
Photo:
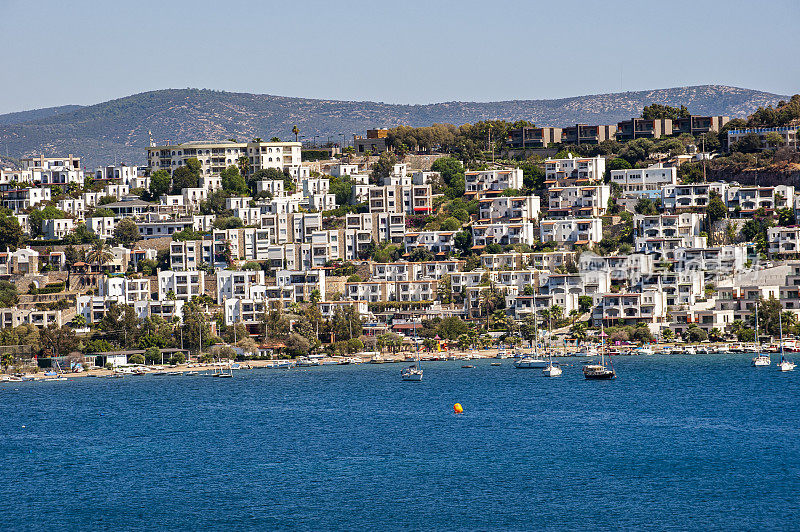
(674, 443)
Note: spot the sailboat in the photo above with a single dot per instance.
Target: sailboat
(413, 373)
(535, 361)
(552, 370)
(600, 371)
(784, 364)
(760, 359)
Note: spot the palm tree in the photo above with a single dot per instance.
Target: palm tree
(100, 253)
(296, 132)
(6, 360)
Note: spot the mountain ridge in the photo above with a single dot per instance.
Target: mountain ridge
(117, 130)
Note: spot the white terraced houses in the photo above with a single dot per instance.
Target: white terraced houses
(578, 200)
(480, 181)
(645, 181)
(750, 199)
(537, 261)
(215, 157)
(237, 284)
(690, 195)
(184, 285)
(575, 231)
(503, 234)
(434, 241)
(581, 168)
(784, 240)
(509, 208)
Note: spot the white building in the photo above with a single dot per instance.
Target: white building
(434, 241)
(508, 208)
(184, 285)
(645, 181)
(576, 231)
(215, 157)
(493, 180)
(581, 168)
(504, 234)
(578, 200)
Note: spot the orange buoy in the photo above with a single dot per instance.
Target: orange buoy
(458, 409)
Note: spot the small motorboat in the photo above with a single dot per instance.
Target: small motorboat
(467, 366)
(761, 360)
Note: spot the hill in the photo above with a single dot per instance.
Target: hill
(35, 114)
(117, 130)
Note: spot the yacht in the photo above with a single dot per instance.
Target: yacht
(689, 350)
(502, 354)
(413, 373)
(784, 364)
(644, 350)
(760, 359)
(531, 362)
(599, 371)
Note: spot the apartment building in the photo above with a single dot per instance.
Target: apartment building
(588, 134)
(102, 226)
(517, 261)
(578, 200)
(237, 284)
(303, 283)
(183, 285)
(415, 271)
(575, 231)
(434, 241)
(749, 199)
(645, 182)
(687, 224)
(375, 141)
(587, 169)
(20, 199)
(382, 227)
(509, 208)
(643, 128)
(679, 288)
(51, 163)
(215, 157)
(316, 191)
(125, 290)
(57, 228)
(690, 195)
(631, 308)
(329, 308)
(784, 240)
(481, 181)
(624, 269)
(411, 199)
(720, 261)
(189, 255)
(75, 207)
(788, 135)
(274, 187)
(697, 125)
(375, 291)
(533, 137)
(503, 233)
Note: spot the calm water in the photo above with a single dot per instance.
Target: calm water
(699, 442)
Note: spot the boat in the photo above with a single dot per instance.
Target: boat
(689, 350)
(784, 364)
(760, 359)
(413, 373)
(467, 366)
(191, 373)
(502, 354)
(531, 362)
(599, 371)
(551, 370)
(644, 350)
(534, 361)
(495, 364)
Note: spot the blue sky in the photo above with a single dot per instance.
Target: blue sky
(81, 52)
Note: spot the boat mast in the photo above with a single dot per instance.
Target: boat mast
(780, 329)
(758, 341)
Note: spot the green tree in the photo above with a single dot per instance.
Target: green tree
(58, 341)
(186, 176)
(11, 235)
(656, 111)
(451, 328)
(232, 180)
(159, 183)
(100, 253)
(646, 206)
(8, 294)
(383, 166)
(126, 232)
(716, 208)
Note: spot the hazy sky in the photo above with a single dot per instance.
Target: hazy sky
(81, 52)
